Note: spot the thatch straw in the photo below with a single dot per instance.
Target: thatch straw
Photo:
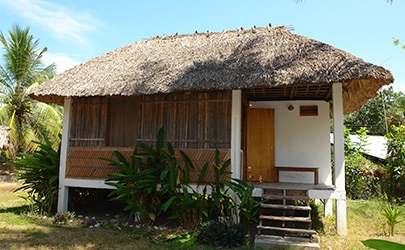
(259, 57)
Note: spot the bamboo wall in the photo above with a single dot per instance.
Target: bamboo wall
(89, 122)
(191, 120)
(198, 123)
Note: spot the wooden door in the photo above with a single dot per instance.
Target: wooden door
(260, 144)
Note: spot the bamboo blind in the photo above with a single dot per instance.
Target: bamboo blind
(190, 120)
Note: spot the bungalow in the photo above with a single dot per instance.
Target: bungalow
(262, 96)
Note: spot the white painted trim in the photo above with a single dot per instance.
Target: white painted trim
(63, 190)
(236, 136)
(341, 217)
(87, 183)
(326, 194)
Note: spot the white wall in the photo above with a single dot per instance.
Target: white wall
(301, 141)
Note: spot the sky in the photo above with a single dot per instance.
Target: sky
(74, 31)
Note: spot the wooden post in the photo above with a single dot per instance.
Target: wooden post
(63, 188)
(338, 133)
(236, 133)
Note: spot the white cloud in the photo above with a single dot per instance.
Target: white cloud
(60, 21)
(62, 61)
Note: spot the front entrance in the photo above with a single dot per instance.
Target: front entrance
(260, 145)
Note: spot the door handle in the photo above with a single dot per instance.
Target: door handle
(250, 175)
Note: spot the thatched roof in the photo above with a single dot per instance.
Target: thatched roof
(270, 63)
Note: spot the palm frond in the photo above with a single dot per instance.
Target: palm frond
(21, 72)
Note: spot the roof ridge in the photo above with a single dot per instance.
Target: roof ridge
(239, 31)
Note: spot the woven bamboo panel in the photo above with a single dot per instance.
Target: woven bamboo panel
(85, 162)
(200, 157)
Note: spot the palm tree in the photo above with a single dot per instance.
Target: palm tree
(22, 70)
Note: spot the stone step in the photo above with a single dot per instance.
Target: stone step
(286, 207)
(285, 218)
(284, 197)
(277, 242)
(310, 232)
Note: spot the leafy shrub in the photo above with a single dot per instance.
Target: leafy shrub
(248, 205)
(361, 181)
(222, 234)
(153, 183)
(150, 183)
(39, 174)
(394, 179)
(220, 201)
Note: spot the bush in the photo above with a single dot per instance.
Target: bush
(151, 184)
(155, 181)
(39, 174)
(394, 179)
(222, 234)
(362, 180)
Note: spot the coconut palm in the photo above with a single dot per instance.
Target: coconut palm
(22, 70)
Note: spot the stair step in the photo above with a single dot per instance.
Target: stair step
(277, 242)
(283, 197)
(289, 230)
(286, 207)
(285, 218)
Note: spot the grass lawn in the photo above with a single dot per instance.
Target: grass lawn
(19, 230)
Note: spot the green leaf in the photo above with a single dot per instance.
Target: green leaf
(383, 244)
(159, 144)
(201, 176)
(168, 203)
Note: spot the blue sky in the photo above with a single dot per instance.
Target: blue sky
(77, 30)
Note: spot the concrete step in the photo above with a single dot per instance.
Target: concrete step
(310, 232)
(285, 218)
(284, 197)
(275, 242)
(285, 207)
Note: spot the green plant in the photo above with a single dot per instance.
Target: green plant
(156, 181)
(361, 183)
(391, 213)
(394, 179)
(222, 234)
(63, 218)
(152, 181)
(39, 174)
(190, 207)
(220, 200)
(383, 244)
(21, 70)
(136, 185)
(247, 204)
